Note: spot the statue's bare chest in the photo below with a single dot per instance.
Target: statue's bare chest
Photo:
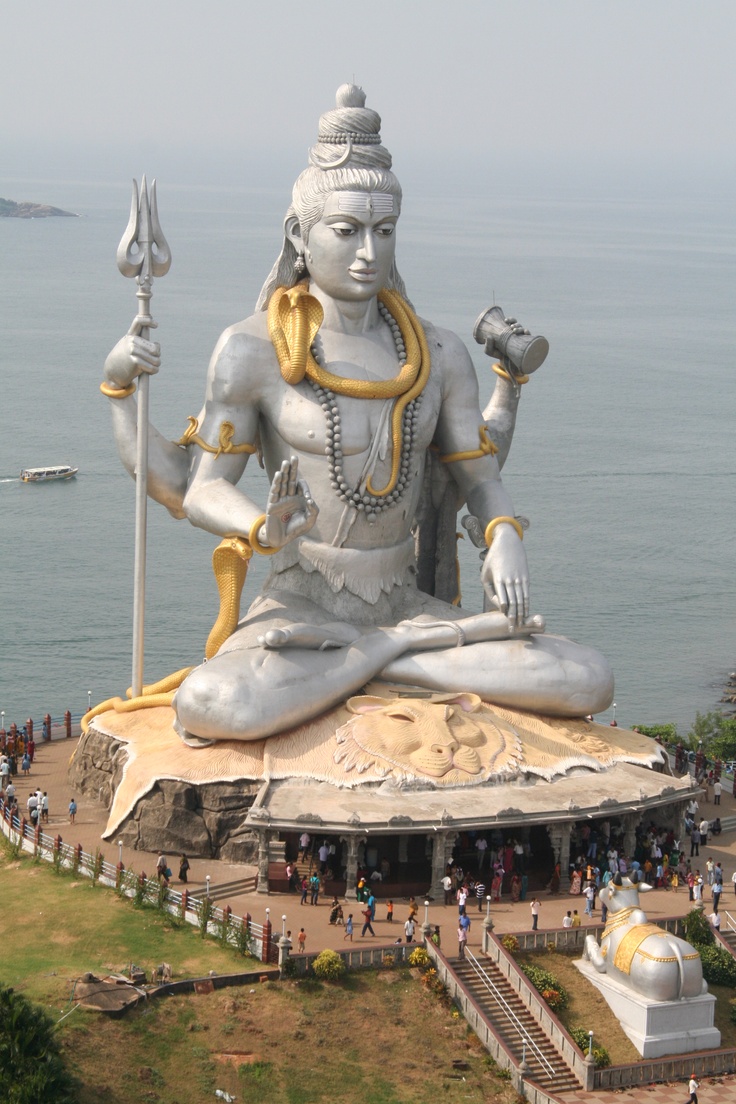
(306, 419)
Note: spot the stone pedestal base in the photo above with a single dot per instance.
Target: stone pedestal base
(658, 1028)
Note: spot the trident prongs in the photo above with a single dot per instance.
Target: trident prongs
(144, 253)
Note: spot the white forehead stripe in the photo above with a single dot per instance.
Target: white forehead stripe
(357, 203)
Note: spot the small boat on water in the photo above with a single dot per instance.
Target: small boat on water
(45, 475)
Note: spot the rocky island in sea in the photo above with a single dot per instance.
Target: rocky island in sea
(10, 209)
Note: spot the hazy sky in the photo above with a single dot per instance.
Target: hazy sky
(117, 83)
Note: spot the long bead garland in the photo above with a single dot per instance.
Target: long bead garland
(371, 505)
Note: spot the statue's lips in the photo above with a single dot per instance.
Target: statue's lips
(363, 275)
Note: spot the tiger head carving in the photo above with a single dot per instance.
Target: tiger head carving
(450, 739)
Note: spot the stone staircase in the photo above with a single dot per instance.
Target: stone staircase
(223, 891)
(515, 1024)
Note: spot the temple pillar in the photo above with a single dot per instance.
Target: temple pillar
(629, 823)
(443, 843)
(264, 838)
(403, 850)
(559, 837)
(351, 864)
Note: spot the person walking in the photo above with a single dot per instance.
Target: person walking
(692, 1088)
(349, 928)
(72, 810)
(717, 890)
(462, 939)
(367, 926)
(480, 892)
(183, 868)
(409, 927)
(589, 899)
(535, 906)
(717, 787)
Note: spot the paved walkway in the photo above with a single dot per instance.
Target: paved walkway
(50, 773)
(713, 1090)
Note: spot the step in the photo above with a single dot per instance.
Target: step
(563, 1079)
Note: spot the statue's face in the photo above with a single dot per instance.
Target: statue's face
(351, 249)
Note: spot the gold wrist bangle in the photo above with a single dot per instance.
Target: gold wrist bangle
(253, 540)
(498, 521)
(117, 392)
(501, 371)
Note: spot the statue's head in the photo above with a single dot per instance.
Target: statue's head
(348, 158)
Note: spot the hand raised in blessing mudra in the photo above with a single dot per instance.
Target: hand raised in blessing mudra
(290, 510)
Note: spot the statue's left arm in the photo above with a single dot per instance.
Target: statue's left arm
(471, 462)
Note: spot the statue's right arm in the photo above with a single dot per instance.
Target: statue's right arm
(168, 464)
(213, 501)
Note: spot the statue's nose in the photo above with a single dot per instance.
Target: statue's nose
(367, 249)
(445, 747)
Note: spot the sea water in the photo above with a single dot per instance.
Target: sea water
(623, 457)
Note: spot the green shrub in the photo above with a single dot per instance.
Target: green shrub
(31, 1066)
(719, 965)
(328, 966)
(420, 958)
(204, 910)
(601, 1056)
(697, 928)
(550, 989)
(510, 943)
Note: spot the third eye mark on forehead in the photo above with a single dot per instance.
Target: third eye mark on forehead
(357, 203)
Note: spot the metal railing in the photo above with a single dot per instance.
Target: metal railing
(67, 857)
(526, 1038)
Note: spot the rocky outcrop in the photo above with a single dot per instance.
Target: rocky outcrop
(205, 820)
(10, 209)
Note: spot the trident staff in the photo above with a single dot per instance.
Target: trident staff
(144, 253)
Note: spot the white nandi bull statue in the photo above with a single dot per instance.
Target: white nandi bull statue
(641, 955)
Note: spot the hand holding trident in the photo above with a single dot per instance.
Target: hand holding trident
(144, 253)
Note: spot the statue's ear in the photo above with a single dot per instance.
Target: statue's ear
(366, 703)
(469, 703)
(293, 232)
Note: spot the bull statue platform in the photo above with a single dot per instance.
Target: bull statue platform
(641, 955)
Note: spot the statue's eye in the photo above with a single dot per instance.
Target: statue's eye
(385, 230)
(344, 231)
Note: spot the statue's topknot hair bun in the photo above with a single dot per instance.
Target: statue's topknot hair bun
(350, 134)
(350, 95)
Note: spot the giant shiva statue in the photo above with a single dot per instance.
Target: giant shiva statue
(343, 391)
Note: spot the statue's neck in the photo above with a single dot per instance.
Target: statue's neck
(347, 316)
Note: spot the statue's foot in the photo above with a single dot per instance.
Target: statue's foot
(313, 637)
(189, 738)
(469, 630)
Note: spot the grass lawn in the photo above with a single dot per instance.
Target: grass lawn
(374, 1038)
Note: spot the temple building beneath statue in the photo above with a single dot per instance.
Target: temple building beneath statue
(382, 775)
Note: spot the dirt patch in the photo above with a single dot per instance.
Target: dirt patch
(237, 1058)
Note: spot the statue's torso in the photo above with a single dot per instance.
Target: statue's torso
(292, 422)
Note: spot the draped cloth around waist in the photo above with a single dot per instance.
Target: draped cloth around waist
(365, 572)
